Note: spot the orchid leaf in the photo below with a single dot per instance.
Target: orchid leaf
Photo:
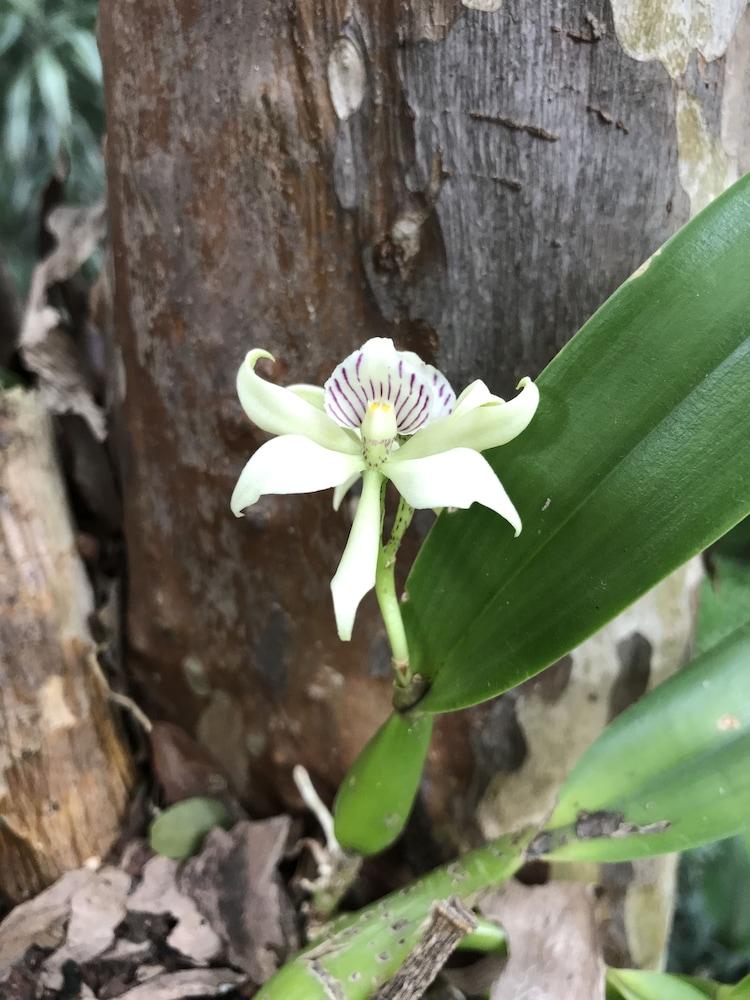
(636, 460)
(668, 774)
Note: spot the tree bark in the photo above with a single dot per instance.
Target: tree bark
(65, 771)
(471, 178)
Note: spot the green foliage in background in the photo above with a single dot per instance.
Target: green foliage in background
(50, 104)
(711, 934)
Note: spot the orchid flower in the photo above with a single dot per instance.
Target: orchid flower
(383, 414)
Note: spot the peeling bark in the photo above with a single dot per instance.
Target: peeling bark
(65, 772)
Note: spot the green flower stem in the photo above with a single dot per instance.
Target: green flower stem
(408, 686)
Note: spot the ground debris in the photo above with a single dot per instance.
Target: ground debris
(590, 825)
(96, 910)
(612, 824)
(192, 935)
(191, 983)
(40, 921)
(235, 884)
(153, 929)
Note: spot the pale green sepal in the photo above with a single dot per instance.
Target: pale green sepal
(281, 411)
(475, 394)
(482, 427)
(312, 394)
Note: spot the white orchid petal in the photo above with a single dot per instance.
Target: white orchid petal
(456, 478)
(486, 426)
(343, 488)
(356, 573)
(475, 394)
(291, 464)
(279, 411)
(312, 394)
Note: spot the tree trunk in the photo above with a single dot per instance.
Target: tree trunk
(65, 771)
(471, 178)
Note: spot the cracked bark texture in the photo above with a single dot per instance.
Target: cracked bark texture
(65, 769)
(302, 176)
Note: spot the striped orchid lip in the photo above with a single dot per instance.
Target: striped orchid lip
(379, 374)
(382, 415)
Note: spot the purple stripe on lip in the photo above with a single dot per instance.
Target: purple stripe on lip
(358, 364)
(408, 395)
(389, 387)
(345, 399)
(408, 416)
(333, 405)
(416, 422)
(358, 405)
(360, 399)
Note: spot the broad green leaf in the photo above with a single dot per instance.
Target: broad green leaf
(179, 831)
(678, 762)
(376, 796)
(631, 984)
(637, 458)
(724, 601)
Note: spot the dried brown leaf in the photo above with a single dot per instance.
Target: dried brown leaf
(180, 985)
(235, 884)
(40, 921)
(192, 935)
(96, 909)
